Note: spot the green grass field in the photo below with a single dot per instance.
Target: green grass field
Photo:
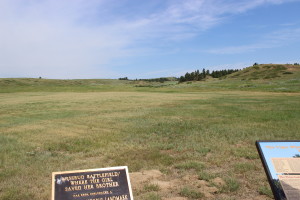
(205, 130)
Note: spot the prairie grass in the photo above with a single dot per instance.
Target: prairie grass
(208, 133)
(152, 196)
(190, 193)
(151, 187)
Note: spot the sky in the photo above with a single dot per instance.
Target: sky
(72, 39)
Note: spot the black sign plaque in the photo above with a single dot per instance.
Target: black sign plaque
(92, 184)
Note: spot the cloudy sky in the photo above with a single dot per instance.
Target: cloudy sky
(70, 39)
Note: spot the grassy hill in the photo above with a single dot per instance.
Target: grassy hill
(265, 77)
(267, 72)
(57, 85)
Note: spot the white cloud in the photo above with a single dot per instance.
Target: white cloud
(275, 39)
(204, 14)
(44, 38)
(79, 38)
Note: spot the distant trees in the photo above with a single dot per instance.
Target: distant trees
(161, 80)
(218, 74)
(197, 76)
(194, 76)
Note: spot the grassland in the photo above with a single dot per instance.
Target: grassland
(205, 130)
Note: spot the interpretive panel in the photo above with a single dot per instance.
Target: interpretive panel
(281, 161)
(92, 184)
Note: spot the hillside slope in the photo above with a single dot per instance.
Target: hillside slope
(268, 71)
(264, 77)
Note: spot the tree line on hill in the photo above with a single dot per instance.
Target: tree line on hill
(220, 73)
(193, 76)
(124, 78)
(198, 76)
(161, 80)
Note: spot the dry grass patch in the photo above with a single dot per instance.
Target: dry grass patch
(188, 139)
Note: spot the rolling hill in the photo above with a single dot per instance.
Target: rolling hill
(263, 77)
(268, 71)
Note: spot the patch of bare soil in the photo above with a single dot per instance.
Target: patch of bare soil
(169, 187)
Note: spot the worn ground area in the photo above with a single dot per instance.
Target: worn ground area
(155, 184)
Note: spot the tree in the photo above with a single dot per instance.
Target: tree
(197, 76)
(182, 79)
(193, 76)
(187, 76)
(207, 72)
(203, 72)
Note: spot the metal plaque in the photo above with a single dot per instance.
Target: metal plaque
(92, 184)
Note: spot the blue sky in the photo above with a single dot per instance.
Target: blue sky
(70, 39)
